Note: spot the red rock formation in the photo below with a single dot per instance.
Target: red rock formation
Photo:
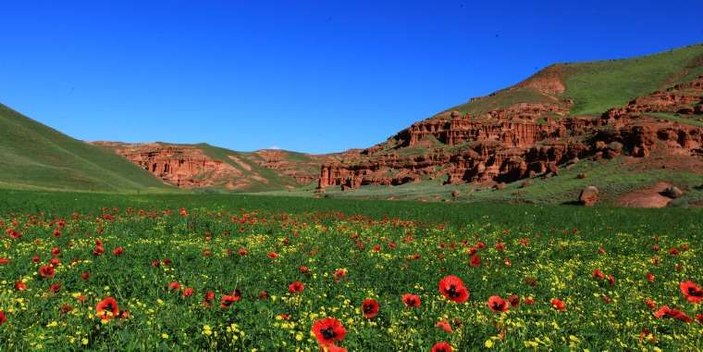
(179, 165)
(523, 140)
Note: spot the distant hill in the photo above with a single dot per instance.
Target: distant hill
(34, 156)
(203, 166)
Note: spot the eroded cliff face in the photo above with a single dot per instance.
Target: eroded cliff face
(190, 166)
(181, 166)
(525, 139)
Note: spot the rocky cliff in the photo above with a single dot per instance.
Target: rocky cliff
(527, 139)
(202, 166)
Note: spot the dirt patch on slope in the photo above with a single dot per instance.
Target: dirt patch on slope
(646, 198)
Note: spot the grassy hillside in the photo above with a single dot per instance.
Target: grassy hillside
(34, 156)
(597, 86)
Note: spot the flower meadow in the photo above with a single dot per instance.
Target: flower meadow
(199, 279)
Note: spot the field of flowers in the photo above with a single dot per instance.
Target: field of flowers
(202, 279)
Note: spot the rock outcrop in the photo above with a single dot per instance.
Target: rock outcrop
(524, 139)
(190, 166)
(180, 165)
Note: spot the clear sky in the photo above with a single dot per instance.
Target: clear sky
(307, 75)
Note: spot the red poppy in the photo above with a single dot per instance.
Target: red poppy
(65, 308)
(339, 274)
(54, 262)
(328, 331)
(597, 274)
(296, 287)
(4, 261)
(411, 301)
(674, 251)
(183, 212)
(227, 300)
(174, 285)
(444, 325)
(442, 347)
(335, 348)
(514, 300)
(497, 304)
(155, 263)
(273, 255)
(558, 304)
(376, 248)
(85, 275)
(107, 308)
(263, 294)
(475, 261)
(304, 269)
(452, 287)
(693, 293)
(20, 286)
(500, 246)
(46, 271)
(12, 233)
(666, 312)
(650, 303)
(118, 251)
(98, 250)
(650, 277)
(36, 259)
(188, 292)
(55, 287)
(55, 251)
(699, 318)
(370, 308)
(611, 280)
(166, 261)
(208, 297)
(529, 301)
(3, 318)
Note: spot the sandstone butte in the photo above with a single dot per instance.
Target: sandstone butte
(528, 139)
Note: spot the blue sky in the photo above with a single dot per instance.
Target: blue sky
(314, 76)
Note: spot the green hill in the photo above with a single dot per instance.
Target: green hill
(598, 86)
(34, 156)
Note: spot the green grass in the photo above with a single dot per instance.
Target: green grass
(535, 252)
(35, 156)
(598, 86)
(502, 99)
(694, 120)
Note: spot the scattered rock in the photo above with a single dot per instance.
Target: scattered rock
(588, 196)
(672, 192)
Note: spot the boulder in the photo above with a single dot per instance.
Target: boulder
(672, 192)
(588, 196)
